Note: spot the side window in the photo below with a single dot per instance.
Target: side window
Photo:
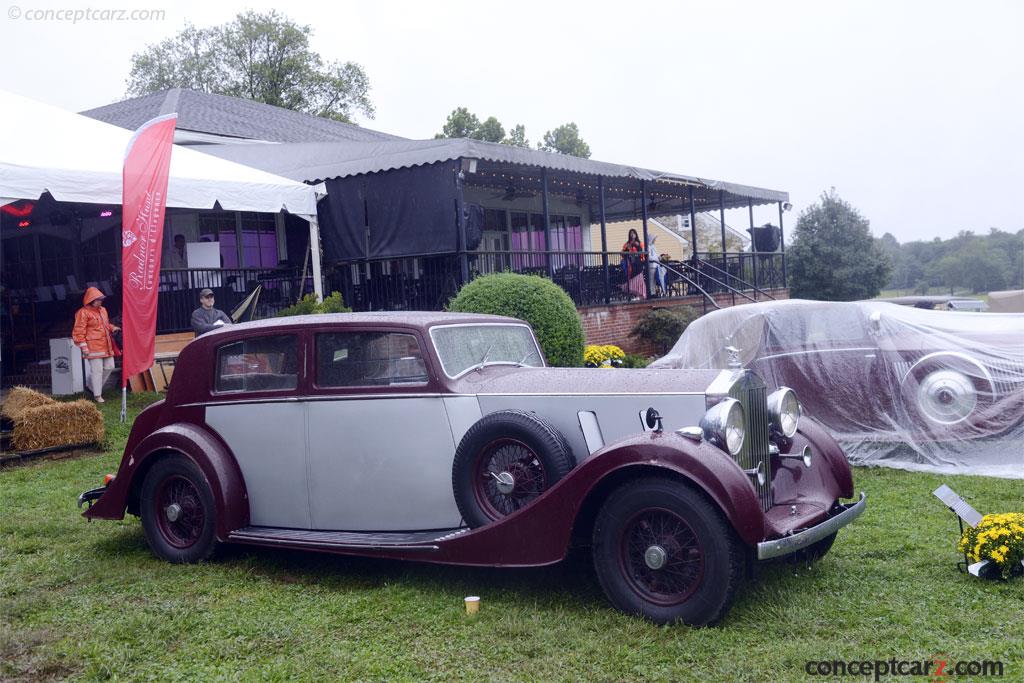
(354, 359)
(258, 364)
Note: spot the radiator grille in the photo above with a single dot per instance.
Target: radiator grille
(752, 396)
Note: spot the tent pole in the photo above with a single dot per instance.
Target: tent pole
(314, 248)
(547, 224)
(782, 246)
(647, 239)
(693, 225)
(753, 244)
(604, 244)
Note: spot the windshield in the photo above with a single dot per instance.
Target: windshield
(464, 347)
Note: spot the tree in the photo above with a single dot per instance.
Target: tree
(461, 123)
(891, 246)
(565, 140)
(833, 256)
(490, 130)
(262, 57)
(517, 137)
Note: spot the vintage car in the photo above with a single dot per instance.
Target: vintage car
(443, 438)
(895, 385)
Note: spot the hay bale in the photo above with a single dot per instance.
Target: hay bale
(57, 424)
(20, 399)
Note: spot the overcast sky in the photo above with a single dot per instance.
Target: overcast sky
(913, 111)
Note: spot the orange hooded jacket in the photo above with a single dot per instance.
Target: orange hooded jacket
(92, 328)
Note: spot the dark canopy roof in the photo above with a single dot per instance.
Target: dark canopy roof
(315, 149)
(233, 117)
(316, 162)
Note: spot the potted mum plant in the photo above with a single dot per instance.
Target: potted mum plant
(998, 539)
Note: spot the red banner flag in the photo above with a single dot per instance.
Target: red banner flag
(146, 164)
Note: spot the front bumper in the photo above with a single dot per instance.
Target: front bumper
(787, 545)
(91, 495)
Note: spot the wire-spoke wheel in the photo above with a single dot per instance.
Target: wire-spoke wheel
(178, 512)
(661, 556)
(663, 551)
(504, 462)
(509, 475)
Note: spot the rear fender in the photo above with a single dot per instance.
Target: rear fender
(212, 457)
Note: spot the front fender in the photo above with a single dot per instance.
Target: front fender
(823, 444)
(541, 532)
(703, 464)
(213, 458)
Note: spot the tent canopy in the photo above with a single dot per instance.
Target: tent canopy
(78, 159)
(317, 161)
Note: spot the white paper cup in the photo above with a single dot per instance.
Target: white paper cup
(472, 604)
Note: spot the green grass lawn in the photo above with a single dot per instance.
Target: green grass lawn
(88, 600)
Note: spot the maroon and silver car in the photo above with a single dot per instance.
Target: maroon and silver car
(444, 438)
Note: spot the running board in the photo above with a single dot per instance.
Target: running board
(425, 541)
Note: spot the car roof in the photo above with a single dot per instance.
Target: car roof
(418, 319)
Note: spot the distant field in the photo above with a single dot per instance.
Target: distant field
(89, 601)
(932, 291)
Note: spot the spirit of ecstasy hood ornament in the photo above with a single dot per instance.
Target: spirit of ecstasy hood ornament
(734, 357)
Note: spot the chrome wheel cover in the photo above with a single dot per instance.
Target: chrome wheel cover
(947, 396)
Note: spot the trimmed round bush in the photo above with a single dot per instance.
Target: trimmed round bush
(532, 298)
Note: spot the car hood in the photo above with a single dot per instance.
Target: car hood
(511, 380)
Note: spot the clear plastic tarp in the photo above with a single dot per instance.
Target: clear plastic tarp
(903, 387)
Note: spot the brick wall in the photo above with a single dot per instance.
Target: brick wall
(612, 324)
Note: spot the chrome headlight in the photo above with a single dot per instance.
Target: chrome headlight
(725, 424)
(784, 411)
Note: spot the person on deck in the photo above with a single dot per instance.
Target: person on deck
(206, 318)
(92, 333)
(656, 271)
(633, 256)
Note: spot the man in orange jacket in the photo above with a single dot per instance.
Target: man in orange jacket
(92, 333)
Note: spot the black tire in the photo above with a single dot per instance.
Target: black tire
(187, 533)
(663, 552)
(505, 461)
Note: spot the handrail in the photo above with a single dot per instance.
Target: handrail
(700, 289)
(717, 281)
(742, 282)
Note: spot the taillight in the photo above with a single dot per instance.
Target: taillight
(107, 479)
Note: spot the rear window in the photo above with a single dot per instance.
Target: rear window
(258, 364)
(351, 359)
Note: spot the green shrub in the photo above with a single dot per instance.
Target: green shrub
(534, 299)
(635, 360)
(309, 305)
(663, 326)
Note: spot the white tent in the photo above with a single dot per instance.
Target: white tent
(78, 159)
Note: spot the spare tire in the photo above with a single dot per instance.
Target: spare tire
(505, 461)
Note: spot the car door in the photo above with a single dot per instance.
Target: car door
(258, 413)
(829, 357)
(380, 447)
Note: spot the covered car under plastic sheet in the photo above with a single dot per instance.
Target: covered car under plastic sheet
(902, 387)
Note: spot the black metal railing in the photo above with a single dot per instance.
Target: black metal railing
(745, 270)
(179, 292)
(589, 278)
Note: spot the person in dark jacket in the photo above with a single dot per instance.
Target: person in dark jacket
(206, 318)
